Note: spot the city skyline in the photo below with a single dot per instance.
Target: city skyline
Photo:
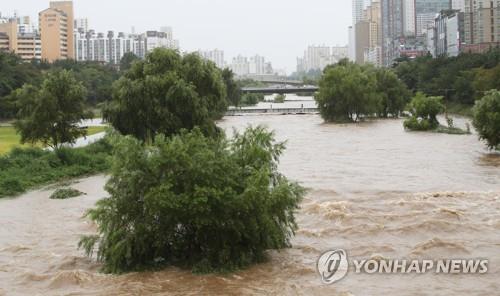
(238, 27)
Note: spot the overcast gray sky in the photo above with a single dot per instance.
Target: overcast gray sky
(280, 30)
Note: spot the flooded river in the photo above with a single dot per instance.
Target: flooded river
(375, 191)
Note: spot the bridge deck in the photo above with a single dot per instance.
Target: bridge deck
(280, 90)
(236, 112)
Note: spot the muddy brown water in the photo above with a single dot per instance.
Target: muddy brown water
(375, 190)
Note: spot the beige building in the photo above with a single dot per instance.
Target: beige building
(8, 41)
(362, 32)
(26, 45)
(369, 42)
(56, 30)
(482, 22)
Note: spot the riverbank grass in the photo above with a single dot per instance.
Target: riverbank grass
(23, 169)
(9, 139)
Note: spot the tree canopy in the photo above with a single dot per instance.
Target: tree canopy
(165, 93)
(461, 79)
(487, 118)
(232, 87)
(210, 204)
(349, 92)
(424, 111)
(50, 114)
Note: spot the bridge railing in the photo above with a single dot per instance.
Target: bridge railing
(234, 112)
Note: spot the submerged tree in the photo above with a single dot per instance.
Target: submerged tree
(393, 95)
(211, 204)
(487, 118)
(51, 114)
(346, 92)
(424, 112)
(166, 93)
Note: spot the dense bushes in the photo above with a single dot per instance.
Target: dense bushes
(23, 169)
(14, 73)
(251, 99)
(461, 79)
(424, 111)
(349, 92)
(487, 118)
(207, 203)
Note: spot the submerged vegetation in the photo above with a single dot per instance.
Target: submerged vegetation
(27, 168)
(65, 193)
(349, 92)
(424, 111)
(210, 204)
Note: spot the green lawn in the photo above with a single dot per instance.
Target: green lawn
(9, 139)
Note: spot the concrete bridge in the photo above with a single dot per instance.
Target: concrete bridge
(276, 111)
(280, 90)
(272, 79)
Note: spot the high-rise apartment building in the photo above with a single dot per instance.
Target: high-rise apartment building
(362, 33)
(392, 14)
(15, 38)
(448, 33)
(369, 41)
(67, 8)
(110, 48)
(257, 65)
(426, 11)
(8, 30)
(81, 24)
(482, 22)
(458, 5)
(240, 66)
(357, 11)
(409, 17)
(56, 31)
(216, 56)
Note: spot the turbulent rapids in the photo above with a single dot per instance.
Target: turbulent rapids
(375, 191)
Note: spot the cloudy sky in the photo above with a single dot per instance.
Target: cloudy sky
(280, 30)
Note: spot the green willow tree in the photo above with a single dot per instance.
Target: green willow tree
(51, 114)
(487, 118)
(393, 95)
(167, 92)
(210, 204)
(232, 87)
(346, 92)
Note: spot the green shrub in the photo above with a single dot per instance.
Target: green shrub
(25, 168)
(65, 193)
(204, 203)
(424, 111)
(417, 124)
(487, 118)
(251, 99)
(280, 98)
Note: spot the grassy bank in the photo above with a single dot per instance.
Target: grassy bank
(26, 168)
(10, 140)
(459, 109)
